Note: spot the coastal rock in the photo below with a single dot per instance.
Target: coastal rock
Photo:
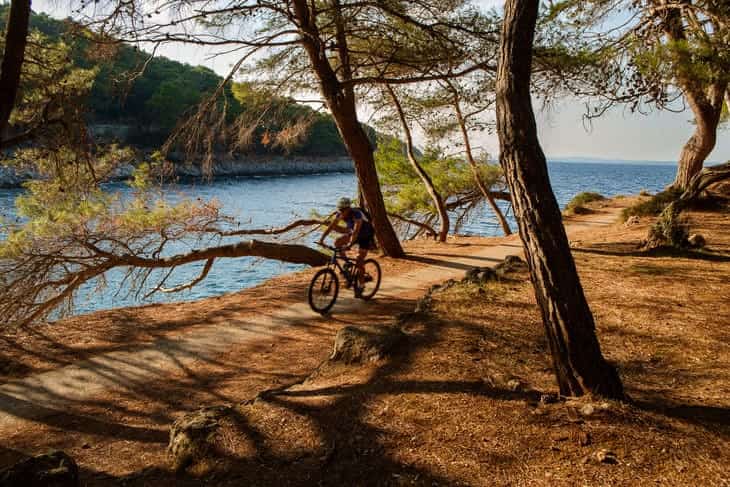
(192, 436)
(365, 343)
(11, 177)
(270, 166)
(55, 469)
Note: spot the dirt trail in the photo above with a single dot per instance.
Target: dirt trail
(45, 394)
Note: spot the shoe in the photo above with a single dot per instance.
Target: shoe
(367, 278)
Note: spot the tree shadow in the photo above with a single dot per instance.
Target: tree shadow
(620, 250)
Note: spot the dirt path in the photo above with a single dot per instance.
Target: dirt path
(46, 394)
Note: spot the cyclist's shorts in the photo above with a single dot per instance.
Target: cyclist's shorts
(366, 242)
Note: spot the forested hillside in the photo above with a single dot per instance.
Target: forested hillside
(142, 107)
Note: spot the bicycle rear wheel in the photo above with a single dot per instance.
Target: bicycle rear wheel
(323, 290)
(371, 281)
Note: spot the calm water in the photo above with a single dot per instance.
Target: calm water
(272, 201)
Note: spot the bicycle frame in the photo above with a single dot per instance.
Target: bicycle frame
(337, 256)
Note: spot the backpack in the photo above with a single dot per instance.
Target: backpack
(364, 212)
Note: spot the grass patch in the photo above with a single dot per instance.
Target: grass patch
(576, 206)
(652, 206)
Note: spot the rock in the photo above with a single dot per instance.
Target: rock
(631, 221)
(696, 241)
(480, 275)
(514, 385)
(548, 399)
(55, 469)
(423, 305)
(192, 435)
(365, 343)
(587, 410)
(606, 456)
(510, 264)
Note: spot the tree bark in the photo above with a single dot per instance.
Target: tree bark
(340, 100)
(577, 360)
(438, 201)
(707, 111)
(16, 35)
(474, 169)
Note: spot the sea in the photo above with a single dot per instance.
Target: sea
(276, 200)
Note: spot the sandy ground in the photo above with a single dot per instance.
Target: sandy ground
(105, 387)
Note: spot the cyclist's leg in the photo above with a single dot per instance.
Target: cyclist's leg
(342, 241)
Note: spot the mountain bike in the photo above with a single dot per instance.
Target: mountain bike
(325, 284)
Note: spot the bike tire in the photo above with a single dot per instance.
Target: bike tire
(324, 284)
(371, 267)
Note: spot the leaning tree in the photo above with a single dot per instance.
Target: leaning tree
(667, 54)
(577, 360)
(341, 47)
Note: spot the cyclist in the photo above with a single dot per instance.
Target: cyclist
(357, 229)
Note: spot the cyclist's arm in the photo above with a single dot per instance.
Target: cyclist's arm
(334, 225)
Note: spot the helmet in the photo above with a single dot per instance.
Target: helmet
(344, 203)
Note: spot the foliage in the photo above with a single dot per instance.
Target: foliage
(670, 229)
(405, 194)
(652, 206)
(71, 230)
(151, 95)
(577, 204)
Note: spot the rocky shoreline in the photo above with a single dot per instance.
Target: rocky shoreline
(276, 166)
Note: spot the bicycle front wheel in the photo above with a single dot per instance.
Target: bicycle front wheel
(323, 290)
(371, 280)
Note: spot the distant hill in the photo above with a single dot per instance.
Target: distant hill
(144, 112)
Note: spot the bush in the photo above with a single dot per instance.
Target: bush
(577, 204)
(653, 206)
(670, 229)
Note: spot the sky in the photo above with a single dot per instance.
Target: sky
(617, 135)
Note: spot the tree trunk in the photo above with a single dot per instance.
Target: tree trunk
(341, 103)
(438, 201)
(704, 98)
(707, 111)
(475, 170)
(577, 360)
(16, 35)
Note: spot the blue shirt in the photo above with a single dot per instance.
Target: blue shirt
(366, 229)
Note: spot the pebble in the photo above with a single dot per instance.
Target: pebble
(587, 410)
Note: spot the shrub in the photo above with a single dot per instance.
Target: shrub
(577, 204)
(670, 230)
(653, 206)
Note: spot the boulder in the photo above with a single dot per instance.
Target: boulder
(696, 241)
(354, 344)
(480, 275)
(605, 456)
(55, 469)
(510, 264)
(192, 435)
